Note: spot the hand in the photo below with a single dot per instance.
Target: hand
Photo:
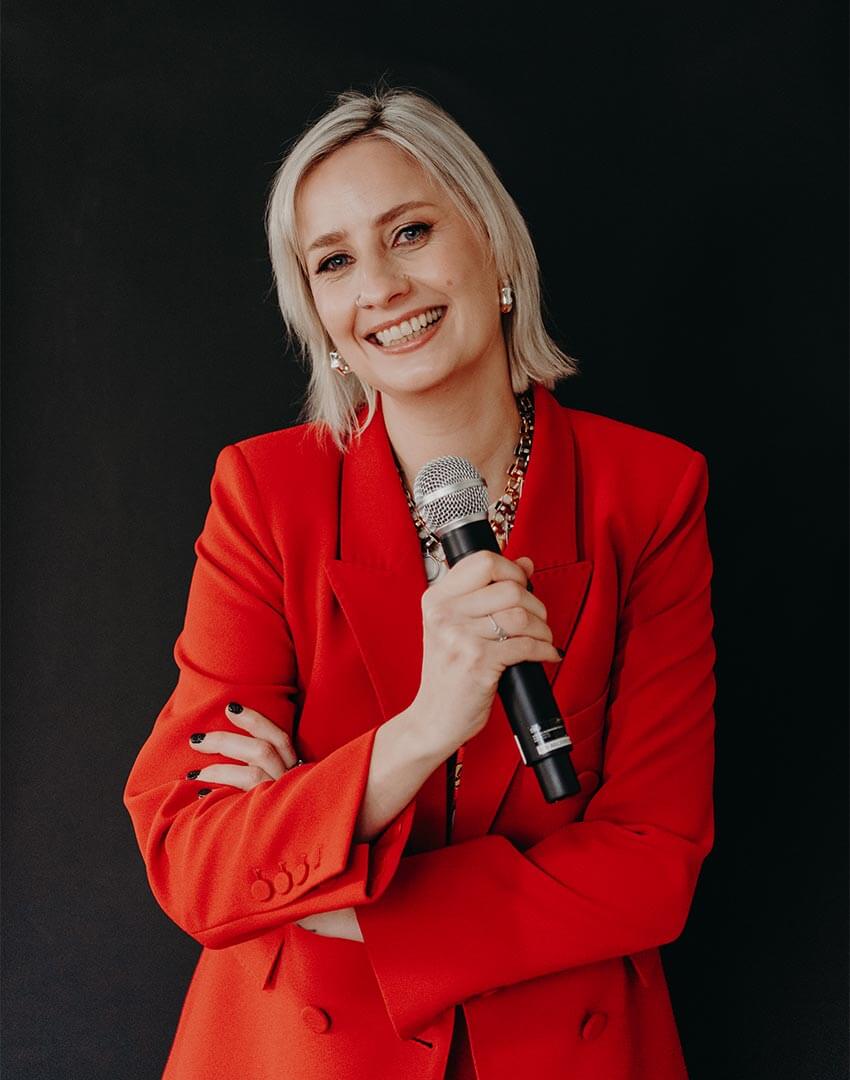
(462, 656)
(268, 753)
(267, 749)
(341, 923)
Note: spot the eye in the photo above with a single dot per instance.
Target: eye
(325, 266)
(328, 266)
(419, 225)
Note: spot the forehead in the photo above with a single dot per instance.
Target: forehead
(356, 183)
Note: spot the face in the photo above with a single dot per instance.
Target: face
(422, 259)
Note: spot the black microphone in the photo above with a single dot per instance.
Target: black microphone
(452, 499)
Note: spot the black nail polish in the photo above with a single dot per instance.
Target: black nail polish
(204, 791)
(561, 652)
(234, 706)
(193, 774)
(197, 737)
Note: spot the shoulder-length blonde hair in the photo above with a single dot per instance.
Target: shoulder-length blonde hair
(427, 133)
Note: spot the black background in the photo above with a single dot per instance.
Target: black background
(682, 168)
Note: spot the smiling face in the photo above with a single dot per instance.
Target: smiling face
(419, 259)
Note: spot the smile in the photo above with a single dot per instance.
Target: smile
(410, 333)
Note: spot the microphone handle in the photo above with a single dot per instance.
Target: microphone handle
(529, 703)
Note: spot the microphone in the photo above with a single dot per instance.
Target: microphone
(452, 499)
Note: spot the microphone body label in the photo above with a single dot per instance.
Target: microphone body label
(548, 739)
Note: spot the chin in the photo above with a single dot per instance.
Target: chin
(417, 382)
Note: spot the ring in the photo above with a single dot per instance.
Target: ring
(502, 635)
(300, 761)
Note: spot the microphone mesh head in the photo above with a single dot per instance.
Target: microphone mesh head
(448, 489)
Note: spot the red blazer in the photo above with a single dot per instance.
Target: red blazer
(543, 921)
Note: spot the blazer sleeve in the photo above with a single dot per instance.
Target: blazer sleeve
(233, 864)
(470, 918)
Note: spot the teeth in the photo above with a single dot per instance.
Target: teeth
(408, 328)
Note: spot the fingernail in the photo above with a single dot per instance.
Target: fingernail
(197, 737)
(193, 774)
(234, 706)
(561, 652)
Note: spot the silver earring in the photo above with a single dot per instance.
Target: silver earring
(338, 363)
(507, 298)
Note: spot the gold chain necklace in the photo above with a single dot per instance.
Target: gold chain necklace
(503, 513)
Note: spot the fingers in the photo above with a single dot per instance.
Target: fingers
(252, 751)
(486, 583)
(260, 727)
(517, 622)
(241, 776)
(520, 624)
(501, 596)
(514, 650)
(266, 749)
(479, 569)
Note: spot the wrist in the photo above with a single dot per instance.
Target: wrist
(424, 737)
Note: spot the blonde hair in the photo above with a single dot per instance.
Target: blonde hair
(422, 129)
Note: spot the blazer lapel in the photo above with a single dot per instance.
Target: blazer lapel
(379, 579)
(379, 576)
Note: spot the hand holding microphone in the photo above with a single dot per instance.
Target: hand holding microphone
(463, 659)
(462, 665)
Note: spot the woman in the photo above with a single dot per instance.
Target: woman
(379, 886)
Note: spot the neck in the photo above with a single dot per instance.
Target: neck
(479, 425)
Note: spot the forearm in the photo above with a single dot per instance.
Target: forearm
(403, 757)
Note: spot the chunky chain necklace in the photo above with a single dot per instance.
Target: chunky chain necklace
(503, 513)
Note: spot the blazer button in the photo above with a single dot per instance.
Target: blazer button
(261, 889)
(315, 1019)
(594, 1025)
(283, 880)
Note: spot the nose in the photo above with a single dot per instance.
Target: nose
(378, 282)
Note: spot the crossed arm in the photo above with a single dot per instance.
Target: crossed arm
(267, 753)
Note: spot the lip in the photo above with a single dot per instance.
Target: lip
(400, 318)
(416, 342)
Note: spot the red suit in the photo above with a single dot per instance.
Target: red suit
(542, 921)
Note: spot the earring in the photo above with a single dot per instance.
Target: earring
(507, 298)
(338, 363)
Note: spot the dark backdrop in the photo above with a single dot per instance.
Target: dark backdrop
(682, 169)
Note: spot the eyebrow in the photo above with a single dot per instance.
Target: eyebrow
(327, 239)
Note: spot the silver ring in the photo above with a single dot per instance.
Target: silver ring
(502, 635)
(300, 761)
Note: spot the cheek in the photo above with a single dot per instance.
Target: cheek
(327, 311)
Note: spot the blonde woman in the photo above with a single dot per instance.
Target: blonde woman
(331, 802)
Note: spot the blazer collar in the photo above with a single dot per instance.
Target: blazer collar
(379, 578)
